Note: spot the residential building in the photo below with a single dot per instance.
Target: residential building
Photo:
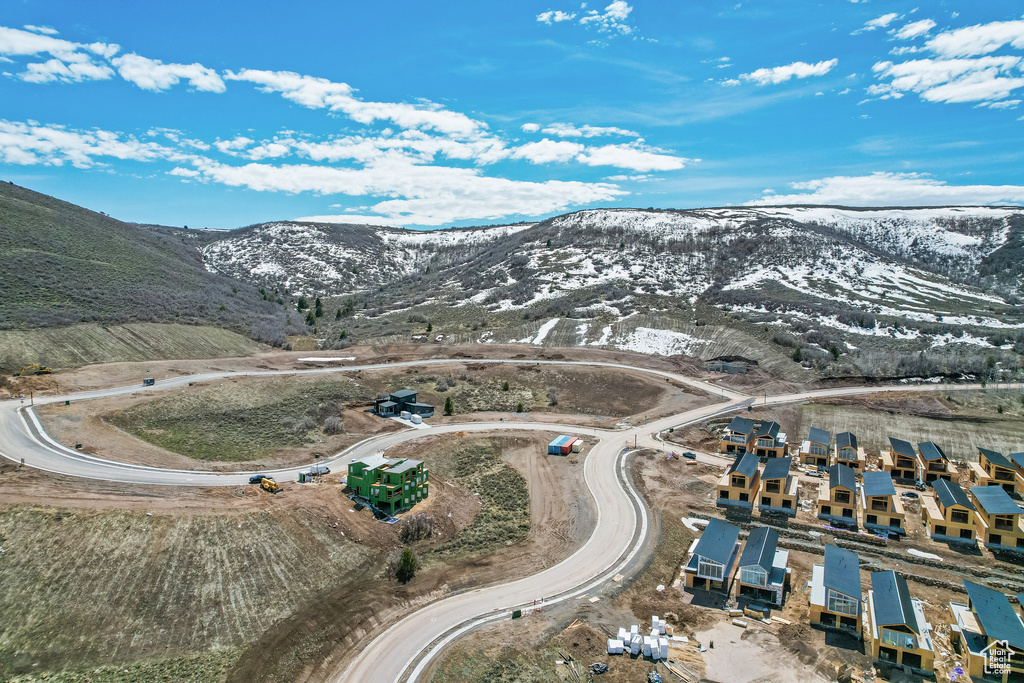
(900, 460)
(769, 442)
(404, 400)
(738, 486)
(763, 567)
(998, 519)
(949, 514)
(779, 489)
(881, 509)
(836, 592)
(932, 463)
(713, 557)
(837, 503)
(847, 452)
(814, 451)
(994, 469)
(898, 632)
(988, 633)
(387, 484)
(738, 436)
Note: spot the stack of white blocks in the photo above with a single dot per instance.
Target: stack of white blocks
(654, 645)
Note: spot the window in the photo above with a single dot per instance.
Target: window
(826, 509)
(710, 570)
(739, 482)
(1004, 522)
(967, 533)
(818, 449)
(842, 604)
(766, 501)
(787, 503)
(897, 639)
(958, 517)
(842, 496)
(772, 486)
(723, 495)
(847, 512)
(940, 530)
(754, 576)
(871, 519)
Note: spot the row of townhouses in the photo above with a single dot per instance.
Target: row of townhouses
(888, 617)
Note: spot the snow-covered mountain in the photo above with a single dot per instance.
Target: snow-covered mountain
(644, 278)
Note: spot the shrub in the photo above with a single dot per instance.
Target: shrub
(552, 396)
(415, 528)
(334, 425)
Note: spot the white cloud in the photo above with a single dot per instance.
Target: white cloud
(69, 61)
(611, 21)
(56, 70)
(780, 74)
(548, 151)
(555, 16)
(530, 127)
(950, 80)
(31, 143)
(236, 144)
(981, 39)
(892, 189)
(568, 130)
(431, 195)
(1004, 104)
(319, 93)
(183, 172)
(632, 157)
(914, 30)
(152, 74)
(41, 29)
(352, 219)
(877, 22)
(730, 82)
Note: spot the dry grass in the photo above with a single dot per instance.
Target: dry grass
(85, 589)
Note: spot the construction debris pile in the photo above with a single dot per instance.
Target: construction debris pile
(632, 641)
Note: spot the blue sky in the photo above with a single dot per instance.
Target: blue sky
(224, 114)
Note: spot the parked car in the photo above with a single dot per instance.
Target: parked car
(256, 479)
(691, 456)
(815, 473)
(909, 494)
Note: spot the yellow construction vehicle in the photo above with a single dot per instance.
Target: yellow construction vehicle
(34, 370)
(268, 484)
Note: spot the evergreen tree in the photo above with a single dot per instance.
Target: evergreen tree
(337, 314)
(311, 319)
(319, 308)
(797, 356)
(303, 304)
(407, 566)
(449, 406)
(430, 328)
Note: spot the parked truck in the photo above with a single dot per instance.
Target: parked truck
(148, 381)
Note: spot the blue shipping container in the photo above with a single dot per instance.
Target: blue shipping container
(555, 447)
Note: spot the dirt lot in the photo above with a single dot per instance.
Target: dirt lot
(160, 574)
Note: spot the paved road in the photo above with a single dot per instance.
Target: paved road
(405, 649)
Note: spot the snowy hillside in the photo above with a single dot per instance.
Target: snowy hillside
(820, 279)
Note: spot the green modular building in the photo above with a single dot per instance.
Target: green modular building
(389, 485)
